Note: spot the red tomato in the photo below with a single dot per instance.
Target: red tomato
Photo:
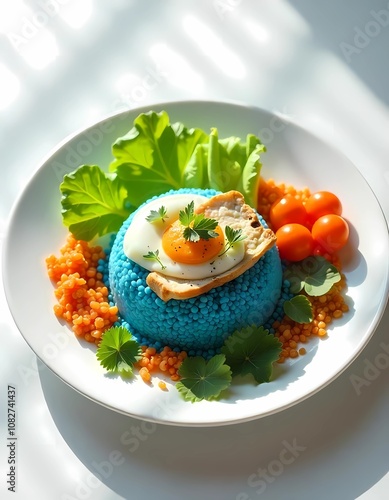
(322, 203)
(294, 242)
(286, 211)
(330, 232)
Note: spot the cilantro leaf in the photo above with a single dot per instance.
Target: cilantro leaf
(233, 236)
(197, 226)
(252, 350)
(314, 274)
(299, 309)
(118, 350)
(93, 203)
(157, 215)
(186, 216)
(203, 379)
(154, 256)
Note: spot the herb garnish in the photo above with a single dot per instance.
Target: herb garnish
(249, 350)
(118, 350)
(299, 309)
(157, 215)
(197, 226)
(154, 256)
(233, 236)
(252, 350)
(315, 275)
(203, 379)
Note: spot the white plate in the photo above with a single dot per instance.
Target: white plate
(294, 156)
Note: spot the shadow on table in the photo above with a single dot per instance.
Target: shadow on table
(131, 456)
(357, 42)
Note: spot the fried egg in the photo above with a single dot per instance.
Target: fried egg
(163, 238)
(182, 269)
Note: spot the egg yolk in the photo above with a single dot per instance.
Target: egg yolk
(190, 252)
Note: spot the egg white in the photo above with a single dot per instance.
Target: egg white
(143, 237)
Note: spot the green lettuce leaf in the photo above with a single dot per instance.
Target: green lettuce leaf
(195, 172)
(151, 158)
(249, 179)
(93, 203)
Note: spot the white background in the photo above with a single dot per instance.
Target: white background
(65, 64)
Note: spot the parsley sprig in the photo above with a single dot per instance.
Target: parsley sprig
(197, 226)
(233, 236)
(118, 350)
(157, 215)
(154, 256)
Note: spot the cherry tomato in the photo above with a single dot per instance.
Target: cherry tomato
(286, 211)
(322, 203)
(294, 242)
(330, 232)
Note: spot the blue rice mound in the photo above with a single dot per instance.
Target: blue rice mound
(201, 324)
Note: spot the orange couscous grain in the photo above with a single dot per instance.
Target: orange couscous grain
(81, 294)
(166, 361)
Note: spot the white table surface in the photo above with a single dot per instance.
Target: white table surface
(66, 63)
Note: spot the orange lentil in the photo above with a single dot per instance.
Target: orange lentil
(163, 366)
(166, 361)
(145, 374)
(162, 385)
(81, 295)
(317, 328)
(287, 335)
(144, 361)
